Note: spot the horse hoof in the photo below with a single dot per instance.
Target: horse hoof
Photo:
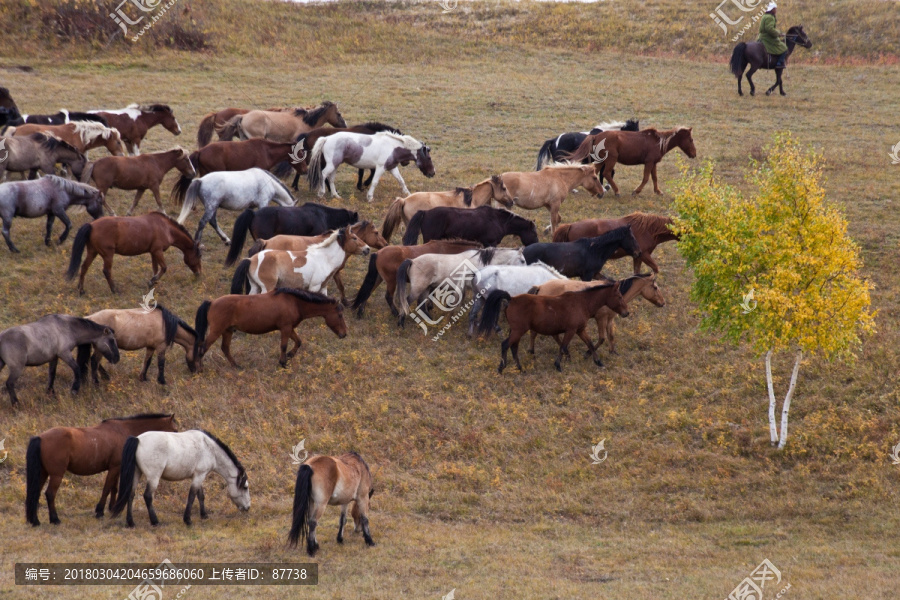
(227, 243)
(784, 93)
(55, 521)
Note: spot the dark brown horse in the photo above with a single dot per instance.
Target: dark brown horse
(139, 173)
(755, 55)
(134, 121)
(279, 310)
(82, 451)
(646, 147)
(649, 231)
(152, 233)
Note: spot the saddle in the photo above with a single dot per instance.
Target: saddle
(772, 61)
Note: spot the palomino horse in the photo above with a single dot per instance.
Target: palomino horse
(548, 187)
(61, 118)
(480, 194)
(134, 121)
(39, 151)
(565, 315)
(215, 121)
(152, 233)
(49, 340)
(364, 230)
(232, 190)
(83, 135)
(754, 54)
(139, 173)
(82, 451)
(649, 230)
(154, 331)
(191, 454)
(310, 269)
(382, 151)
(334, 480)
(557, 148)
(281, 126)
(584, 258)
(50, 196)
(280, 310)
(485, 225)
(647, 147)
(383, 266)
(645, 285)
(307, 220)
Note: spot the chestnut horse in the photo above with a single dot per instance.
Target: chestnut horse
(324, 480)
(279, 310)
(566, 314)
(479, 194)
(649, 230)
(135, 120)
(139, 173)
(83, 135)
(383, 266)
(152, 233)
(215, 121)
(82, 451)
(548, 187)
(646, 147)
(279, 125)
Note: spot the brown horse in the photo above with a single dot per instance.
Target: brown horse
(82, 451)
(646, 147)
(566, 315)
(383, 266)
(152, 330)
(139, 173)
(279, 310)
(324, 480)
(548, 187)
(649, 230)
(645, 285)
(152, 233)
(135, 120)
(281, 126)
(215, 121)
(83, 135)
(479, 194)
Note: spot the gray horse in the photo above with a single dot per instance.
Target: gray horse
(38, 151)
(51, 196)
(50, 339)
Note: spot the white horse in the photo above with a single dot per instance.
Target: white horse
(190, 455)
(382, 151)
(232, 190)
(512, 279)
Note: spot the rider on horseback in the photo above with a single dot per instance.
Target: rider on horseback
(771, 38)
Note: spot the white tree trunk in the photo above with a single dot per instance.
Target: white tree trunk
(773, 431)
(787, 401)
(776, 439)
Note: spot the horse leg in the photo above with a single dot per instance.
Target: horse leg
(647, 168)
(343, 521)
(226, 347)
(533, 337)
(396, 173)
(359, 179)
(285, 336)
(43, 481)
(582, 333)
(656, 189)
(362, 510)
(297, 344)
(780, 82)
(107, 270)
(312, 546)
(7, 223)
(611, 334)
(379, 171)
(563, 349)
(161, 366)
(504, 346)
(137, 198)
(67, 358)
(148, 357)
(105, 203)
(473, 315)
(155, 191)
(219, 231)
(159, 258)
(750, 79)
(14, 373)
(190, 502)
(50, 495)
(53, 362)
(50, 219)
(112, 476)
(201, 497)
(148, 500)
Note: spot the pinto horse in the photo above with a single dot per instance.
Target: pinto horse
(152, 233)
(82, 451)
(754, 54)
(135, 120)
(485, 225)
(139, 173)
(330, 480)
(40, 151)
(584, 258)
(61, 118)
(551, 185)
(480, 194)
(279, 310)
(646, 147)
(83, 135)
(557, 148)
(281, 125)
(649, 230)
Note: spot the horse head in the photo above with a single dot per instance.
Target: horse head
(106, 345)
(423, 161)
(617, 302)
(630, 243)
(652, 292)
(335, 320)
(799, 36)
(183, 163)
(333, 116)
(367, 232)
(500, 192)
(239, 489)
(591, 181)
(685, 140)
(114, 143)
(168, 119)
(350, 242)
(193, 257)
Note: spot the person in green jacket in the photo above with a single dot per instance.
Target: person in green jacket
(771, 38)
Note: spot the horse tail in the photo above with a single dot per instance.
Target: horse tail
(201, 325)
(368, 285)
(88, 172)
(240, 283)
(183, 183)
(738, 60)
(302, 496)
(316, 164)
(402, 284)
(493, 304)
(582, 151)
(413, 228)
(205, 130)
(231, 128)
(545, 154)
(78, 245)
(190, 199)
(126, 475)
(33, 468)
(257, 247)
(392, 218)
(562, 233)
(239, 236)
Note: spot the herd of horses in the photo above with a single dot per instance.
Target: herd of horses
(552, 288)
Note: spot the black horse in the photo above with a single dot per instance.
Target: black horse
(8, 110)
(309, 219)
(754, 54)
(585, 257)
(484, 224)
(558, 148)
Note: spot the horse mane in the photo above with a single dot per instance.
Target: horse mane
(609, 125)
(648, 223)
(181, 227)
(665, 137)
(625, 284)
(466, 194)
(306, 295)
(313, 115)
(95, 327)
(69, 186)
(153, 107)
(140, 416)
(563, 164)
(487, 255)
(93, 129)
(171, 323)
(278, 182)
(356, 455)
(540, 263)
(51, 142)
(377, 127)
(613, 235)
(327, 241)
(459, 242)
(227, 451)
(408, 141)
